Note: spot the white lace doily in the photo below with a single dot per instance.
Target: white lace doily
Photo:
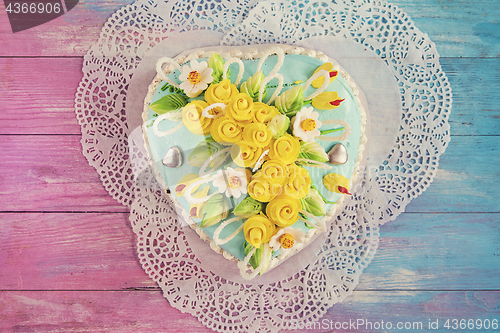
(400, 168)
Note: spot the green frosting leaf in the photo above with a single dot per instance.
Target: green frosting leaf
(279, 125)
(252, 86)
(216, 62)
(257, 255)
(168, 103)
(216, 209)
(248, 207)
(313, 203)
(291, 101)
(322, 197)
(313, 151)
(203, 151)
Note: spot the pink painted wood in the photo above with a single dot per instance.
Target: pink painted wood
(69, 35)
(97, 311)
(38, 95)
(147, 311)
(58, 251)
(49, 173)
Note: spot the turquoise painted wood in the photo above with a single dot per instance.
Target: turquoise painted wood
(463, 182)
(67, 252)
(474, 82)
(437, 251)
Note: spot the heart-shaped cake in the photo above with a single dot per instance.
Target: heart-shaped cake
(257, 146)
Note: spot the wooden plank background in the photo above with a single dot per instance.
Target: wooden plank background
(67, 251)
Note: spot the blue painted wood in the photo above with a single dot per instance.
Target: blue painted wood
(415, 311)
(446, 251)
(459, 28)
(466, 180)
(474, 83)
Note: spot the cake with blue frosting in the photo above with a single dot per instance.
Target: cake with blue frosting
(258, 148)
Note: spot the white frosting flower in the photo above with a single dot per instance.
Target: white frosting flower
(306, 124)
(195, 78)
(286, 239)
(231, 182)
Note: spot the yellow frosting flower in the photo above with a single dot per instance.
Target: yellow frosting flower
(286, 238)
(275, 188)
(263, 113)
(222, 92)
(193, 120)
(299, 182)
(257, 134)
(337, 183)
(306, 124)
(245, 154)
(260, 189)
(196, 209)
(185, 181)
(286, 149)
(327, 66)
(274, 171)
(283, 210)
(287, 241)
(327, 100)
(240, 109)
(258, 229)
(225, 129)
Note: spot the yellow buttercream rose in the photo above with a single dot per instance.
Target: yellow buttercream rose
(283, 210)
(240, 109)
(257, 134)
(286, 149)
(263, 113)
(193, 120)
(274, 171)
(274, 188)
(260, 189)
(246, 172)
(222, 92)
(258, 229)
(225, 129)
(245, 154)
(299, 182)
